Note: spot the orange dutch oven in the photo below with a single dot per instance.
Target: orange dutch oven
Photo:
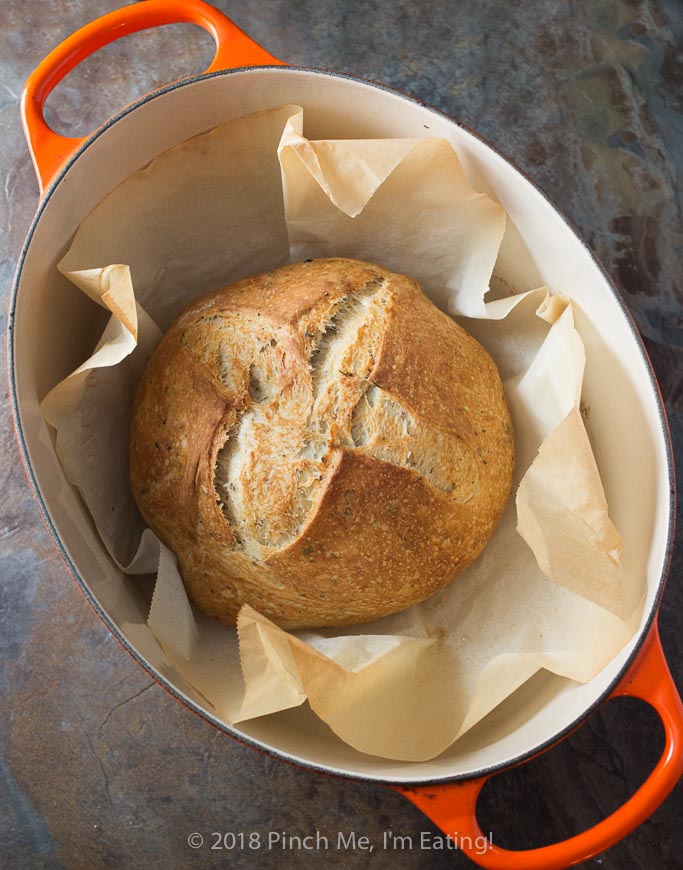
(636, 460)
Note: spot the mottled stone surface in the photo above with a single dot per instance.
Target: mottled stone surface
(99, 767)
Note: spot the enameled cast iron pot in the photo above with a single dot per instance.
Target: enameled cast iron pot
(627, 421)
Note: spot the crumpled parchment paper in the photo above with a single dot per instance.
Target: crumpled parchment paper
(548, 591)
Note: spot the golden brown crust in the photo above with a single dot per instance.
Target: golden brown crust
(320, 442)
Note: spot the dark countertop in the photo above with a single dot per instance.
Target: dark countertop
(99, 767)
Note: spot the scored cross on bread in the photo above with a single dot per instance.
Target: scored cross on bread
(320, 442)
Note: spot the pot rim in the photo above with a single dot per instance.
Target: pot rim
(231, 731)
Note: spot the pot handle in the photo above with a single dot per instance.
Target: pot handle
(49, 151)
(453, 807)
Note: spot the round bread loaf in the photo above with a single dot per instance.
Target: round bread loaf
(320, 442)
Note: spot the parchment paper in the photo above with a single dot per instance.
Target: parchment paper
(548, 591)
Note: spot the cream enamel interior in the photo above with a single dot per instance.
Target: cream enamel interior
(624, 422)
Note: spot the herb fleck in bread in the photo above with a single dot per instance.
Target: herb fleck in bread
(320, 442)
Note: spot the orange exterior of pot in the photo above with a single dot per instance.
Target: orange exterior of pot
(453, 807)
(49, 150)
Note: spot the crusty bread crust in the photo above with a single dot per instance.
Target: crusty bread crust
(320, 442)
